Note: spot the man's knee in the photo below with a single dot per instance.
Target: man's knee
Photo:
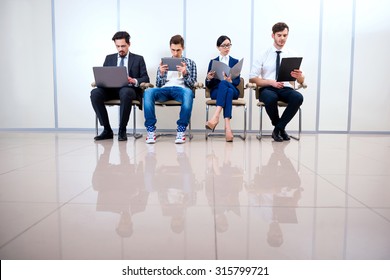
(96, 94)
(127, 93)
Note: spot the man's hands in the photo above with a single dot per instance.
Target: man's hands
(180, 68)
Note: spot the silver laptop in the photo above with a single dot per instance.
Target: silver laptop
(110, 76)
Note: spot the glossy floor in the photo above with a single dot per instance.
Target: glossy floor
(63, 196)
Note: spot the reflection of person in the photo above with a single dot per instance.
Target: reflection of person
(223, 91)
(176, 186)
(120, 187)
(276, 189)
(223, 183)
(172, 85)
(137, 74)
(263, 74)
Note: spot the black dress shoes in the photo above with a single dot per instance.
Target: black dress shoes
(284, 135)
(276, 135)
(106, 134)
(122, 135)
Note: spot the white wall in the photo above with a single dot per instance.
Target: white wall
(49, 47)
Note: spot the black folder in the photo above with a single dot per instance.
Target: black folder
(287, 65)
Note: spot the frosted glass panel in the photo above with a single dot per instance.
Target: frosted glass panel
(371, 94)
(26, 78)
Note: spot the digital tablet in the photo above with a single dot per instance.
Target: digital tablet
(287, 65)
(172, 62)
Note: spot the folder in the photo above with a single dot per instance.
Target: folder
(220, 68)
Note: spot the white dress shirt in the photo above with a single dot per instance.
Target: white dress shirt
(224, 59)
(265, 66)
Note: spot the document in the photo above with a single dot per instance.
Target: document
(172, 62)
(220, 68)
(287, 65)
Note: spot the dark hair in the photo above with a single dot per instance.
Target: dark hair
(278, 27)
(122, 35)
(221, 39)
(176, 40)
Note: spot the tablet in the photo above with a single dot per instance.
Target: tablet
(287, 65)
(172, 62)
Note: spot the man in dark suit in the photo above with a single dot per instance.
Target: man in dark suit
(137, 74)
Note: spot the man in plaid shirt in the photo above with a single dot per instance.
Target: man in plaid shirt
(172, 85)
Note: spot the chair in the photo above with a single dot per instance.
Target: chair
(135, 103)
(174, 103)
(240, 102)
(261, 105)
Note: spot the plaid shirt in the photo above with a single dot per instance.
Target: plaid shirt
(189, 79)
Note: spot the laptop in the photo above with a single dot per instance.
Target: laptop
(110, 76)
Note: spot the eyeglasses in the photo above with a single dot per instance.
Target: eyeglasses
(227, 46)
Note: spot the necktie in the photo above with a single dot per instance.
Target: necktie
(122, 63)
(277, 64)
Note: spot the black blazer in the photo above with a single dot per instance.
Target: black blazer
(136, 67)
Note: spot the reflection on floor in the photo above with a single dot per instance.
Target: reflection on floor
(63, 196)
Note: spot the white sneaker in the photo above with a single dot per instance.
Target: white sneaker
(151, 137)
(180, 138)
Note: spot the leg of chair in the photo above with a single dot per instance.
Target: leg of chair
(245, 120)
(135, 134)
(243, 137)
(96, 125)
(189, 131)
(207, 118)
(300, 123)
(299, 126)
(260, 134)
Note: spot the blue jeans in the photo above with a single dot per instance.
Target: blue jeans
(183, 95)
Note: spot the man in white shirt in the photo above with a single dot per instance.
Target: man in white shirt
(263, 74)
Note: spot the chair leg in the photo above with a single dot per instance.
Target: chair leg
(260, 134)
(96, 125)
(189, 131)
(135, 134)
(243, 137)
(207, 118)
(299, 126)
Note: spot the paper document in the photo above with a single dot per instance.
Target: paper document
(287, 65)
(220, 68)
(172, 62)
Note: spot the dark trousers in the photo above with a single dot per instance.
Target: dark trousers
(270, 96)
(100, 95)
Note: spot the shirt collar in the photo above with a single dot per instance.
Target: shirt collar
(224, 59)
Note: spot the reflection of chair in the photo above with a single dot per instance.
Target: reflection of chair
(135, 103)
(280, 104)
(174, 103)
(240, 102)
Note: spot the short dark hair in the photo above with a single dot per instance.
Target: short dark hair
(221, 39)
(176, 40)
(122, 35)
(278, 27)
